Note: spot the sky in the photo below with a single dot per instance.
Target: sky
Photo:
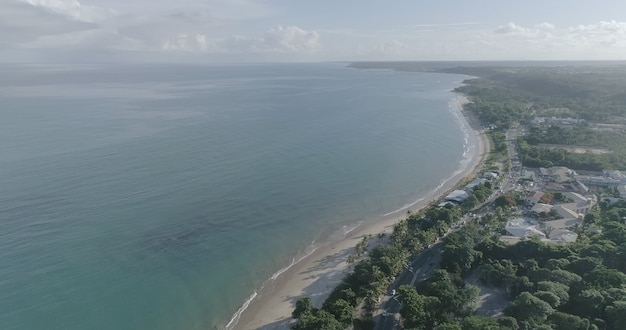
(215, 31)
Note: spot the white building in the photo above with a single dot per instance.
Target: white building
(524, 227)
(458, 196)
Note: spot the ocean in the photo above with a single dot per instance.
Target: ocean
(164, 196)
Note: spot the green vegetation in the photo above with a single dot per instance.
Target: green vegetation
(354, 300)
(504, 96)
(577, 286)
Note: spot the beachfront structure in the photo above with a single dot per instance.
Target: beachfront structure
(470, 186)
(457, 196)
(491, 175)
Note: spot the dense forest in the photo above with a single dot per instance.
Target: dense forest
(548, 286)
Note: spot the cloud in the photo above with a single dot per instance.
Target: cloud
(545, 26)
(512, 28)
(394, 47)
(21, 22)
(72, 8)
(603, 27)
(290, 38)
(281, 39)
(188, 43)
(164, 31)
(237, 30)
(604, 33)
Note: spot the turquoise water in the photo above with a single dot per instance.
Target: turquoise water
(161, 197)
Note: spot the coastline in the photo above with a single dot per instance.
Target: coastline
(317, 274)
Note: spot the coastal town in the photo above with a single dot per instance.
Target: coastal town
(504, 248)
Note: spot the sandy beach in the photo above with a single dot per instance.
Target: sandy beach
(319, 273)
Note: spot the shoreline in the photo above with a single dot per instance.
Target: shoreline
(319, 272)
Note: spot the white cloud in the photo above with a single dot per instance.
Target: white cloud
(188, 43)
(164, 31)
(72, 8)
(228, 29)
(602, 40)
(394, 47)
(545, 26)
(281, 39)
(22, 22)
(290, 38)
(604, 33)
(513, 29)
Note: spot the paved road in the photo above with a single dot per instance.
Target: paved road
(422, 268)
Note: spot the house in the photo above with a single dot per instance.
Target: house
(490, 175)
(458, 196)
(540, 208)
(554, 187)
(534, 197)
(563, 236)
(580, 204)
(562, 223)
(527, 175)
(524, 227)
(470, 186)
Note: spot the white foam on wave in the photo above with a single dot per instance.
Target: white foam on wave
(468, 150)
(454, 106)
(282, 270)
(312, 248)
(235, 319)
(347, 230)
(404, 207)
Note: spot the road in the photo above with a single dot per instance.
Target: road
(422, 268)
(515, 163)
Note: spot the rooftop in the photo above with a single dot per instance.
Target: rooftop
(542, 208)
(457, 196)
(561, 223)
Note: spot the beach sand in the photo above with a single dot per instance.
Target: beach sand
(318, 274)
